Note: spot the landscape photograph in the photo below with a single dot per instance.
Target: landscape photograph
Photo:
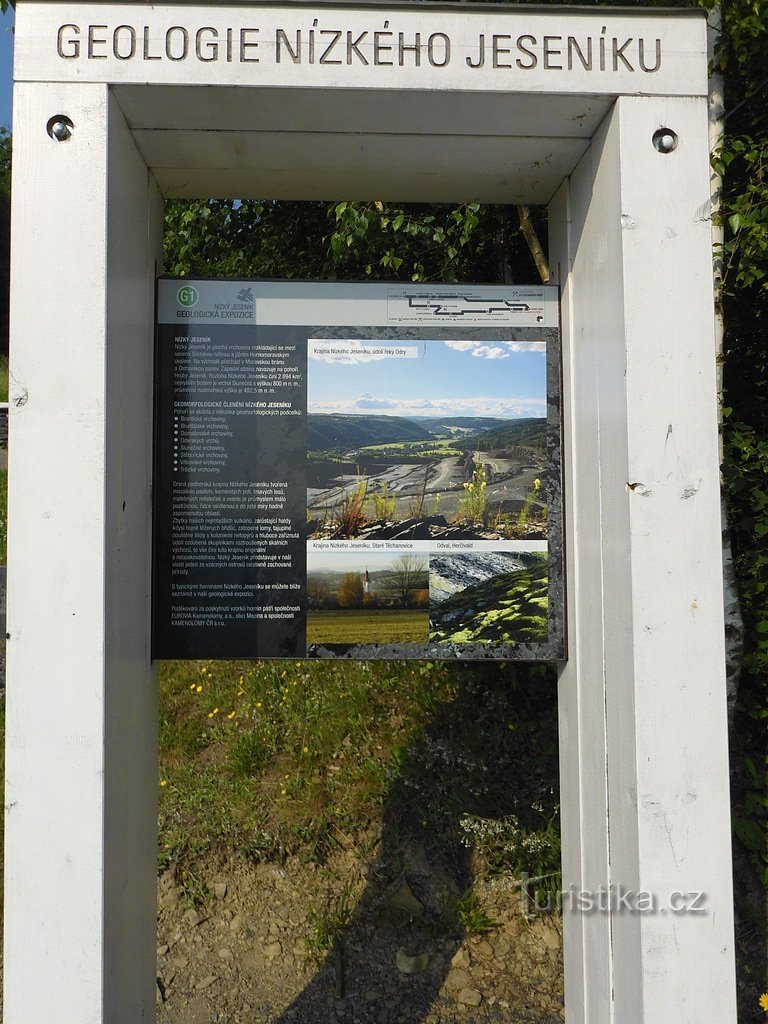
(488, 597)
(364, 597)
(441, 440)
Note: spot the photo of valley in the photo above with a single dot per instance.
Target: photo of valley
(366, 598)
(447, 442)
(488, 597)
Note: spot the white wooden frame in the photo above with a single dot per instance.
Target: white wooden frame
(644, 775)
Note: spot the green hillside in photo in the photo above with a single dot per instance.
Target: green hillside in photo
(326, 431)
(510, 608)
(529, 431)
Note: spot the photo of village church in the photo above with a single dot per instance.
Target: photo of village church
(363, 597)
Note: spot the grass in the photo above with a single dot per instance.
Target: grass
(511, 607)
(3, 378)
(366, 626)
(298, 758)
(3, 516)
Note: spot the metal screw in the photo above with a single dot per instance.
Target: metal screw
(60, 128)
(61, 131)
(664, 140)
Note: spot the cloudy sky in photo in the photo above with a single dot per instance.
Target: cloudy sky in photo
(502, 379)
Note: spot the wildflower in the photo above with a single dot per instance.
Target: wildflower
(511, 726)
(763, 1001)
(231, 714)
(163, 782)
(198, 689)
(241, 680)
(215, 711)
(192, 686)
(305, 750)
(283, 791)
(536, 484)
(203, 670)
(258, 704)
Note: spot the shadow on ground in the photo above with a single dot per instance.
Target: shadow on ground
(436, 932)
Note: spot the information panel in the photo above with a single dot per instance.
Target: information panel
(358, 471)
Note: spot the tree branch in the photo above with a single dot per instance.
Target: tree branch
(529, 234)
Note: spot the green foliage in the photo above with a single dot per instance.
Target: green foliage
(471, 915)
(382, 503)
(527, 431)
(510, 608)
(320, 241)
(339, 430)
(473, 506)
(3, 515)
(328, 920)
(743, 161)
(5, 249)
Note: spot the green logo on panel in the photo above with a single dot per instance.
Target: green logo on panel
(188, 296)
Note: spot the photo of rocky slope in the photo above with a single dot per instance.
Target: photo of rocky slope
(494, 597)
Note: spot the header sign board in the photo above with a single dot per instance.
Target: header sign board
(365, 471)
(515, 49)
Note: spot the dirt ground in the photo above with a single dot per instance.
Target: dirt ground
(247, 953)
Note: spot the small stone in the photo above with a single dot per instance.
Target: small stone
(206, 982)
(411, 964)
(236, 924)
(274, 928)
(404, 902)
(460, 958)
(226, 954)
(273, 950)
(484, 949)
(501, 948)
(456, 979)
(162, 950)
(219, 890)
(192, 918)
(469, 997)
(552, 939)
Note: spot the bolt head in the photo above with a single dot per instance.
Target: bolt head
(60, 131)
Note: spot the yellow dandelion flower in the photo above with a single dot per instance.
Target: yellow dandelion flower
(210, 714)
(258, 704)
(203, 670)
(215, 711)
(240, 680)
(283, 791)
(763, 1001)
(240, 693)
(163, 782)
(198, 689)
(536, 484)
(231, 714)
(192, 686)
(305, 750)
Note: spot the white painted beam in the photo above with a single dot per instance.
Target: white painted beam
(81, 720)
(321, 165)
(643, 714)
